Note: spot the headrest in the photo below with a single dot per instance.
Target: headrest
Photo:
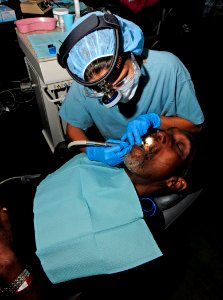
(167, 201)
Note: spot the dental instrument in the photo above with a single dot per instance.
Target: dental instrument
(90, 143)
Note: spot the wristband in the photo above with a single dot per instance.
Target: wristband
(20, 283)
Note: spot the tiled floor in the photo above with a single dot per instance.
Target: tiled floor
(195, 239)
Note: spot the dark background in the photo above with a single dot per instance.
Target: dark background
(196, 237)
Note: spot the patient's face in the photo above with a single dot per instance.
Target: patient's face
(166, 152)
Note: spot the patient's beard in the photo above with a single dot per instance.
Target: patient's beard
(134, 164)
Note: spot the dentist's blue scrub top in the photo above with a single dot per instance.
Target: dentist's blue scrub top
(167, 90)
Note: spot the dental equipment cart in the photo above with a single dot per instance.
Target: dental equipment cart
(50, 81)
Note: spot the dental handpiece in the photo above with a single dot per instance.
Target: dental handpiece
(90, 143)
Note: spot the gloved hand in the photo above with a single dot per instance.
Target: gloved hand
(139, 127)
(111, 156)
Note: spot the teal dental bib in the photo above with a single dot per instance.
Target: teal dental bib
(88, 221)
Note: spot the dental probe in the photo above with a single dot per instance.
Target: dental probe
(90, 143)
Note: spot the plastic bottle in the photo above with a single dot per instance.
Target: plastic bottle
(58, 13)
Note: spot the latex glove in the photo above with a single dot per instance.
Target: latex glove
(111, 156)
(139, 126)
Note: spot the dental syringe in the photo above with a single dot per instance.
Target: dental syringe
(90, 143)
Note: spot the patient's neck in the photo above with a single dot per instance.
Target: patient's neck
(144, 186)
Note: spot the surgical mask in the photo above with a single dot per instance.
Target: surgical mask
(128, 89)
(128, 86)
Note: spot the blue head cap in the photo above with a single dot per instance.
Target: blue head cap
(100, 43)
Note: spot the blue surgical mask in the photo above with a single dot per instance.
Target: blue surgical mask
(128, 89)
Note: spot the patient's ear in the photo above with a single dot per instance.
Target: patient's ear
(176, 183)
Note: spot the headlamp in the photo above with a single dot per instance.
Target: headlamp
(104, 84)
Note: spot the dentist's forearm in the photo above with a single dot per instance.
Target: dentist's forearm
(167, 122)
(75, 134)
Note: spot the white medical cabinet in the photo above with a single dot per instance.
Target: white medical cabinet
(50, 81)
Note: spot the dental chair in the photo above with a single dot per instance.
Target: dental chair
(171, 206)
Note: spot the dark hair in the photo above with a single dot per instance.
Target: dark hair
(194, 173)
(99, 64)
(96, 66)
(189, 161)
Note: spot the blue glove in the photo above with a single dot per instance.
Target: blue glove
(139, 127)
(111, 156)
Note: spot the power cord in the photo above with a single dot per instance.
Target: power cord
(11, 99)
(24, 178)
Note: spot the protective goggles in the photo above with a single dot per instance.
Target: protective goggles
(90, 24)
(114, 93)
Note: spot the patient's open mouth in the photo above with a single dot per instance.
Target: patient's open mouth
(148, 142)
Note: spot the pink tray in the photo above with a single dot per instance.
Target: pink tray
(32, 24)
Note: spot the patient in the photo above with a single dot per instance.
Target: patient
(111, 196)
